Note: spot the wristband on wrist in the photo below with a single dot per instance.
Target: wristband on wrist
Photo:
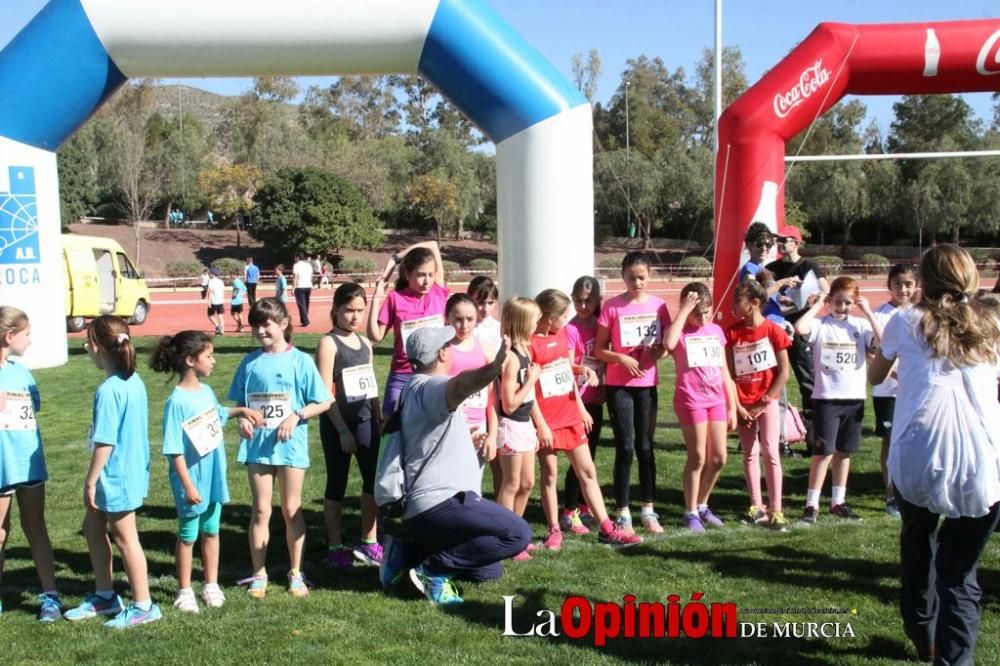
(301, 413)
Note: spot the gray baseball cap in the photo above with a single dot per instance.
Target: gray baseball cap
(423, 345)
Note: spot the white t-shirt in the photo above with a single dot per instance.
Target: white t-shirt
(488, 333)
(216, 291)
(302, 273)
(945, 452)
(886, 389)
(838, 351)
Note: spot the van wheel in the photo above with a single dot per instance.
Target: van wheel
(75, 324)
(140, 313)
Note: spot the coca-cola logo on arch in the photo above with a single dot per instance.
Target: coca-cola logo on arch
(812, 79)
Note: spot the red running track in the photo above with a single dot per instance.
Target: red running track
(182, 310)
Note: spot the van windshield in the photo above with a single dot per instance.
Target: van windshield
(125, 267)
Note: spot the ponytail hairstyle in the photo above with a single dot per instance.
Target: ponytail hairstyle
(171, 352)
(552, 302)
(413, 260)
(111, 334)
(271, 309)
(587, 287)
(636, 258)
(12, 320)
(518, 319)
(959, 325)
(457, 299)
(845, 283)
(699, 288)
(751, 290)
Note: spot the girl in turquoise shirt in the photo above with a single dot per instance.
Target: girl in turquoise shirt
(192, 441)
(281, 383)
(118, 479)
(22, 461)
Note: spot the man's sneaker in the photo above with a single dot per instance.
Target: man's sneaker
(623, 522)
(651, 522)
(339, 558)
(619, 538)
(369, 553)
(50, 608)
(891, 509)
(256, 586)
(777, 522)
(754, 515)
(213, 596)
(693, 523)
(297, 586)
(133, 616)
(185, 601)
(709, 518)
(93, 606)
(587, 517)
(437, 589)
(570, 522)
(390, 570)
(554, 540)
(809, 515)
(844, 511)
(523, 556)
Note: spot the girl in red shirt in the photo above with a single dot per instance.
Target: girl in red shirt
(757, 353)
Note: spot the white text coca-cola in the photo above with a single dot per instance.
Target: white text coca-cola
(812, 79)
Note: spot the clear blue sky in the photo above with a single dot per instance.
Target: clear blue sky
(675, 30)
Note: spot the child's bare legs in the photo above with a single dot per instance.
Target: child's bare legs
(133, 558)
(715, 460)
(817, 473)
(209, 558)
(510, 483)
(527, 482)
(95, 530)
(333, 513)
(369, 517)
(549, 462)
(184, 554)
(290, 480)
(695, 436)
(261, 490)
(586, 474)
(4, 529)
(31, 502)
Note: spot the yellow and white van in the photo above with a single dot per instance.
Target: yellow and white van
(101, 279)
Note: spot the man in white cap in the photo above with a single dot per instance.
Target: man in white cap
(455, 532)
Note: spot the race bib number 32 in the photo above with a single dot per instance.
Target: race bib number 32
(639, 329)
(204, 431)
(754, 357)
(275, 407)
(360, 383)
(18, 412)
(556, 378)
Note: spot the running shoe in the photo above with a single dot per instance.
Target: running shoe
(570, 522)
(693, 523)
(754, 515)
(619, 538)
(133, 616)
(554, 540)
(809, 515)
(93, 606)
(256, 586)
(651, 522)
(186, 602)
(50, 608)
(339, 558)
(891, 509)
(369, 553)
(586, 517)
(844, 510)
(523, 556)
(390, 570)
(624, 522)
(213, 596)
(297, 584)
(709, 518)
(776, 521)
(439, 590)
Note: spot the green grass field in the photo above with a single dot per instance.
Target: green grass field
(348, 619)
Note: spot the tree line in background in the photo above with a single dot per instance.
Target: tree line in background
(364, 153)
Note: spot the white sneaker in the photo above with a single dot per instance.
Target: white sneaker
(185, 601)
(213, 596)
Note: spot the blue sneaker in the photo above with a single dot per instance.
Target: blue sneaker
(50, 608)
(93, 606)
(390, 569)
(133, 616)
(437, 589)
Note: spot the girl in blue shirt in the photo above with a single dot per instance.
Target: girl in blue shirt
(118, 479)
(281, 383)
(22, 461)
(192, 441)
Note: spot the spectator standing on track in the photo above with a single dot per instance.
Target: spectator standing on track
(302, 282)
(251, 276)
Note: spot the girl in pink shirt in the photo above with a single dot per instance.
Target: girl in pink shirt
(467, 353)
(704, 399)
(629, 339)
(417, 300)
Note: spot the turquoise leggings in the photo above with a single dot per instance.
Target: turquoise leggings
(206, 523)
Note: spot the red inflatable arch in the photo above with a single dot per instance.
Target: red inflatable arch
(836, 59)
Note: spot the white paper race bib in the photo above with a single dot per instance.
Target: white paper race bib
(204, 431)
(637, 330)
(704, 351)
(839, 356)
(18, 412)
(276, 407)
(407, 327)
(360, 383)
(556, 378)
(477, 400)
(595, 365)
(754, 357)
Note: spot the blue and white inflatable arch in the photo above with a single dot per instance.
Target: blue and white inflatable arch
(75, 53)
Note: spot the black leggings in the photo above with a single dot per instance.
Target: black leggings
(338, 463)
(571, 494)
(633, 416)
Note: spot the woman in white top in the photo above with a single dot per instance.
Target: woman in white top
(945, 452)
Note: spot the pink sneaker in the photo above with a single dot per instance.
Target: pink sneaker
(554, 540)
(619, 537)
(523, 556)
(570, 522)
(532, 547)
(651, 522)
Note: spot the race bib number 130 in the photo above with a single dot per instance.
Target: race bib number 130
(703, 351)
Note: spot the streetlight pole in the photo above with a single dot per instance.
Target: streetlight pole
(628, 168)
